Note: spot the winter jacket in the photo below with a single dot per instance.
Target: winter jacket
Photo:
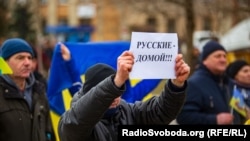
(84, 120)
(21, 119)
(207, 95)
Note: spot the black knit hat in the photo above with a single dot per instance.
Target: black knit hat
(234, 67)
(209, 48)
(96, 74)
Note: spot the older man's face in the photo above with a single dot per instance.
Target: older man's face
(21, 64)
(216, 62)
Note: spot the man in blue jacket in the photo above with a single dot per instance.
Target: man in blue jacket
(97, 109)
(209, 90)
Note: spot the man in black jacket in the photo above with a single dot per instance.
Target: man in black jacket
(24, 109)
(97, 109)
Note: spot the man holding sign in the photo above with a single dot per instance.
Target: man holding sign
(97, 109)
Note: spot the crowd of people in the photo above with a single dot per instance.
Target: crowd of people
(97, 108)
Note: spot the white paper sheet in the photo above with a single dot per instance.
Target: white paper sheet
(154, 54)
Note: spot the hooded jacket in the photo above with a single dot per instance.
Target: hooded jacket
(24, 116)
(84, 121)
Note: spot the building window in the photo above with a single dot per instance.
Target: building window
(171, 26)
(43, 1)
(63, 21)
(244, 3)
(151, 24)
(85, 21)
(207, 24)
(63, 1)
(151, 21)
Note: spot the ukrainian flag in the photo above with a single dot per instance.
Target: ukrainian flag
(63, 75)
(237, 102)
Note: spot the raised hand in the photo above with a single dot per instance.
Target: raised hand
(182, 71)
(65, 52)
(125, 63)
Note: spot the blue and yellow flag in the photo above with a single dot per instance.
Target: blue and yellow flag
(4, 67)
(237, 102)
(64, 74)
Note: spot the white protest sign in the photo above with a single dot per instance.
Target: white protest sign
(154, 54)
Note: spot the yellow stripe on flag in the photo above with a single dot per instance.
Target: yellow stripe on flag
(134, 82)
(241, 110)
(147, 97)
(4, 67)
(83, 78)
(247, 122)
(55, 119)
(66, 99)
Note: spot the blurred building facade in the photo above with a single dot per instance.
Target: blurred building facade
(115, 19)
(103, 20)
